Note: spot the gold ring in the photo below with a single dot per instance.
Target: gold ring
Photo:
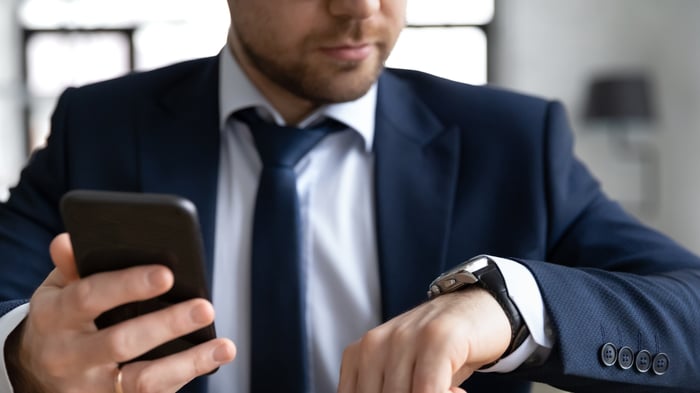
(118, 382)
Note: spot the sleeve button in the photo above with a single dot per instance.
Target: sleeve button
(625, 358)
(643, 361)
(608, 354)
(660, 364)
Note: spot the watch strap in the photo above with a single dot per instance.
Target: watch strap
(491, 279)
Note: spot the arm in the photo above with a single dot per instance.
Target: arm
(604, 269)
(610, 279)
(58, 345)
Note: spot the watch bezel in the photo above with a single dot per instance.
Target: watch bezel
(460, 276)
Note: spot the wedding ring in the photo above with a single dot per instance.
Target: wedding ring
(118, 382)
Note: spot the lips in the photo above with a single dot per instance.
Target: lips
(348, 52)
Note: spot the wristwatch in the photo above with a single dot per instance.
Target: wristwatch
(483, 271)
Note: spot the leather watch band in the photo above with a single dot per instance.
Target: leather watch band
(491, 279)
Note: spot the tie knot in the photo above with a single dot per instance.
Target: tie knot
(284, 146)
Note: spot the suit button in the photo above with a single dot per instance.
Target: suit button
(660, 364)
(608, 354)
(643, 361)
(625, 358)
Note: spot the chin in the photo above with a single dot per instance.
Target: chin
(348, 86)
(341, 92)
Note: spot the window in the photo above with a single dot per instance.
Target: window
(446, 38)
(73, 42)
(58, 58)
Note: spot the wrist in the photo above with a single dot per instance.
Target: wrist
(483, 272)
(491, 328)
(16, 371)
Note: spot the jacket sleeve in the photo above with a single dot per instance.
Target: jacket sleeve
(30, 218)
(611, 280)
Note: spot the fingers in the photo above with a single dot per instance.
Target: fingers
(172, 372)
(68, 312)
(84, 360)
(62, 256)
(93, 295)
(348, 372)
(430, 349)
(87, 298)
(134, 337)
(371, 359)
(408, 355)
(62, 348)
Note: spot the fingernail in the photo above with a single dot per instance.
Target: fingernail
(221, 354)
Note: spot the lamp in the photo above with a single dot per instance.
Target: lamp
(622, 98)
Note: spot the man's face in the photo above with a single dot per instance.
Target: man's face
(319, 50)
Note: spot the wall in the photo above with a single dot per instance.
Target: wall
(551, 48)
(183, 30)
(12, 151)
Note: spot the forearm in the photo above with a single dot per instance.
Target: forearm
(591, 307)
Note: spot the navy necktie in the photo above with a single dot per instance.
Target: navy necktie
(279, 353)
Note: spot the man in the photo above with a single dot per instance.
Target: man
(426, 174)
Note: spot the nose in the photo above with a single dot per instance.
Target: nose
(355, 9)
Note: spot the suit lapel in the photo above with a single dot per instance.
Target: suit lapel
(180, 145)
(415, 175)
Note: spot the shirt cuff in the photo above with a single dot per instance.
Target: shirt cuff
(8, 323)
(525, 293)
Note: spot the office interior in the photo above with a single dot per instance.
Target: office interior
(585, 53)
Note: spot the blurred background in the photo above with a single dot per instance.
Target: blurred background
(625, 69)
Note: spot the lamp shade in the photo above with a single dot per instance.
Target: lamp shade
(620, 98)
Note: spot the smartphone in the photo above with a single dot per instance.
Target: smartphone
(116, 230)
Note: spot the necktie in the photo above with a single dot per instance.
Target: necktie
(279, 353)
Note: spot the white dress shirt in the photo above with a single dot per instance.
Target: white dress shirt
(335, 186)
(339, 251)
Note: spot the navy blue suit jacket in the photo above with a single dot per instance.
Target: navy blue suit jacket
(460, 171)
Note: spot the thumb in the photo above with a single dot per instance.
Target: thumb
(63, 258)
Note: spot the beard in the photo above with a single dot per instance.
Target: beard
(312, 79)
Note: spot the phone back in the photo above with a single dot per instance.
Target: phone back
(117, 230)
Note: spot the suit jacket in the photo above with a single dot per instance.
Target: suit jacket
(460, 171)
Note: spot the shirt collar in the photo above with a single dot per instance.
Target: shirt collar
(237, 92)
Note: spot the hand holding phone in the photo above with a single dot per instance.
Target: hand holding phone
(112, 231)
(57, 347)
